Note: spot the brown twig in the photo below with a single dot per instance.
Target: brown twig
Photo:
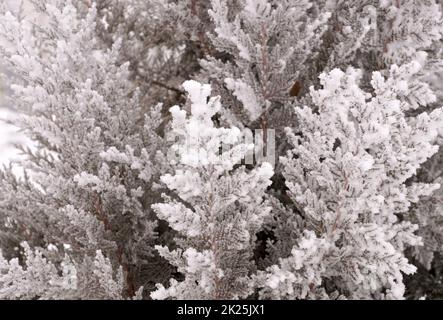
(167, 87)
(337, 211)
(264, 116)
(101, 215)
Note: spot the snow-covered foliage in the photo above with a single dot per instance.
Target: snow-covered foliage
(409, 27)
(122, 194)
(269, 43)
(40, 278)
(90, 179)
(220, 208)
(347, 174)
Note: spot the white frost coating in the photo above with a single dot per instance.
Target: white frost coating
(347, 174)
(351, 200)
(224, 207)
(90, 171)
(246, 95)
